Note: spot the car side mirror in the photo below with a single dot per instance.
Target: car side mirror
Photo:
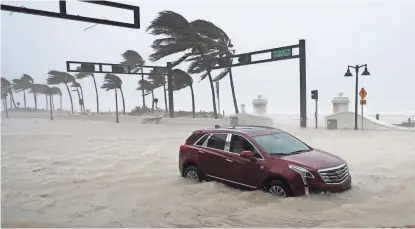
(248, 155)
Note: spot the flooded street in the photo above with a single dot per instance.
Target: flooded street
(77, 173)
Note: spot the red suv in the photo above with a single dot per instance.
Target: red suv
(260, 157)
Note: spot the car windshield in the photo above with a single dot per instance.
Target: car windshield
(281, 144)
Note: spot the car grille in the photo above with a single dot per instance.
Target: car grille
(334, 175)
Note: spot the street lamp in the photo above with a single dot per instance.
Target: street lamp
(349, 74)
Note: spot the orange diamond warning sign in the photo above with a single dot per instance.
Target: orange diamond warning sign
(362, 93)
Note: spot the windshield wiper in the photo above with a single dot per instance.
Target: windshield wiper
(300, 151)
(278, 154)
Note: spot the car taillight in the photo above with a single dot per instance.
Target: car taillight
(183, 148)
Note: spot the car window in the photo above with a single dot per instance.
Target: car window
(281, 144)
(217, 141)
(202, 140)
(239, 144)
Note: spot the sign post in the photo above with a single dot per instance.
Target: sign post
(217, 95)
(363, 95)
(314, 95)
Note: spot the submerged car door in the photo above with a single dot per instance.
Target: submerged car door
(244, 171)
(212, 160)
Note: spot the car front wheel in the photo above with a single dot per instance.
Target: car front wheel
(278, 188)
(193, 173)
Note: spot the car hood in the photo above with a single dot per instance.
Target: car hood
(315, 159)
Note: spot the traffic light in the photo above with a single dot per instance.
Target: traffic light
(314, 94)
(244, 59)
(87, 68)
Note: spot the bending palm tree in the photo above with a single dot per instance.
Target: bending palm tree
(56, 77)
(132, 57)
(5, 83)
(22, 84)
(56, 91)
(82, 75)
(76, 85)
(158, 80)
(182, 36)
(5, 90)
(113, 82)
(181, 80)
(145, 85)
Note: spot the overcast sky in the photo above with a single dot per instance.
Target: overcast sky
(337, 33)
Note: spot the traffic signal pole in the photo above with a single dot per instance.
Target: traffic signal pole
(276, 54)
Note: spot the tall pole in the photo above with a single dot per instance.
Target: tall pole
(303, 85)
(142, 90)
(355, 99)
(362, 116)
(170, 89)
(316, 114)
(50, 106)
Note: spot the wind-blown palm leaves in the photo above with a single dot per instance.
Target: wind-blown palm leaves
(22, 84)
(148, 87)
(132, 57)
(76, 85)
(181, 80)
(81, 75)
(56, 77)
(158, 80)
(113, 82)
(201, 41)
(8, 88)
(56, 91)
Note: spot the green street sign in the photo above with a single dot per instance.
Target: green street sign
(281, 53)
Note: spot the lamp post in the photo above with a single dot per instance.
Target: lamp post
(349, 74)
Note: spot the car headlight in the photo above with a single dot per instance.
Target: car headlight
(302, 171)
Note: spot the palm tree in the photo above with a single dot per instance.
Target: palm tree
(181, 80)
(118, 82)
(198, 39)
(112, 82)
(7, 86)
(46, 90)
(132, 57)
(56, 77)
(76, 85)
(158, 80)
(22, 84)
(56, 91)
(5, 90)
(81, 75)
(145, 85)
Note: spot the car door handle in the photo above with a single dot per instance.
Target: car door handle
(200, 151)
(229, 160)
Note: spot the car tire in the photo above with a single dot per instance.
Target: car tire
(193, 173)
(278, 188)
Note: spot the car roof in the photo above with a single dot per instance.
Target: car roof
(250, 130)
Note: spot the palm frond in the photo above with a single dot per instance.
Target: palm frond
(221, 75)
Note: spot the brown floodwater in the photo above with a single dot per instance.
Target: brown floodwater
(77, 173)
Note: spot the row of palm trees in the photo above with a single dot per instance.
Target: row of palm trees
(200, 42)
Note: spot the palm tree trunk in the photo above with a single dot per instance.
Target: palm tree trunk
(35, 98)
(165, 97)
(116, 106)
(152, 100)
(70, 97)
(5, 106)
(215, 112)
(24, 98)
(12, 99)
(53, 102)
(235, 104)
(60, 101)
(79, 99)
(142, 90)
(82, 95)
(123, 102)
(193, 100)
(96, 91)
(11, 102)
(46, 99)
(50, 106)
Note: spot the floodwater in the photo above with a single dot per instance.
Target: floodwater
(77, 173)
